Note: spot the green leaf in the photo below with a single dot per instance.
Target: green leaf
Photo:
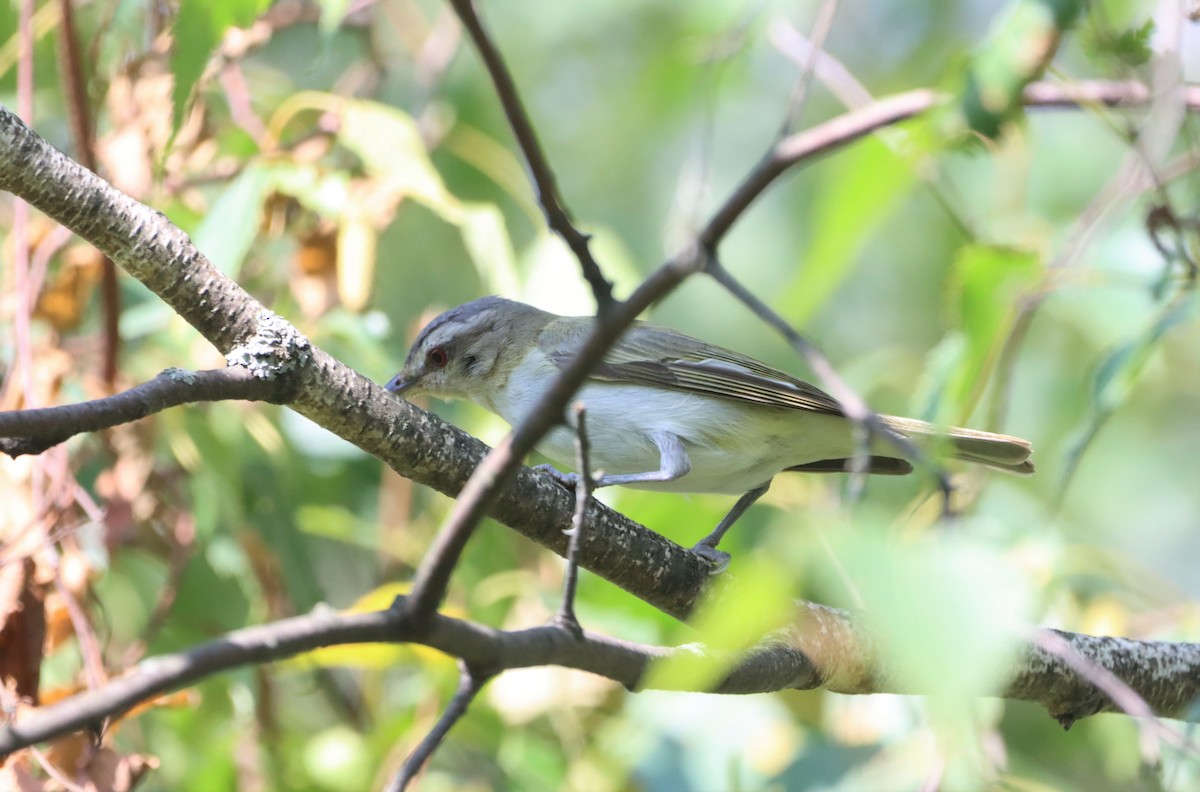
(1128, 48)
(232, 223)
(1120, 369)
(199, 28)
(339, 524)
(391, 149)
(332, 13)
(985, 286)
(1022, 42)
(325, 192)
(871, 178)
(744, 610)
(948, 613)
(486, 238)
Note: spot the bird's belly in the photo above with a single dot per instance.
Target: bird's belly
(732, 447)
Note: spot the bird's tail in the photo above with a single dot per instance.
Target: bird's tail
(1002, 452)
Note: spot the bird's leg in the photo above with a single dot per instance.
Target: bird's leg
(706, 548)
(673, 463)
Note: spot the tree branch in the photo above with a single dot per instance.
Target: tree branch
(33, 431)
(469, 684)
(415, 443)
(557, 216)
(844, 129)
(825, 648)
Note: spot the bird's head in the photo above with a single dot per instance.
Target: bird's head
(470, 351)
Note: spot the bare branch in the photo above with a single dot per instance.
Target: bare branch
(1119, 93)
(849, 127)
(825, 648)
(557, 216)
(1121, 694)
(476, 645)
(470, 682)
(809, 144)
(821, 27)
(33, 431)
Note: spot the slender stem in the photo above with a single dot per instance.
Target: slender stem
(470, 682)
(557, 216)
(583, 492)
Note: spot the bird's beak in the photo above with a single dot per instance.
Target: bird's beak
(400, 383)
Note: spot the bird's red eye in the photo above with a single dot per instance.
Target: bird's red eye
(437, 357)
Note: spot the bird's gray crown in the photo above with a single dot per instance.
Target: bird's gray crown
(461, 315)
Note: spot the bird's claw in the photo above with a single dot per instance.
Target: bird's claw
(568, 480)
(717, 560)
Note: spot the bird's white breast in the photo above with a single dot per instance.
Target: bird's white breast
(733, 446)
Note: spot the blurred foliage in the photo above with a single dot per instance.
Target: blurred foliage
(357, 176)
(1020, 45)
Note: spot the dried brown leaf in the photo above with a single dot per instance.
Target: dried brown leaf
(22, 629)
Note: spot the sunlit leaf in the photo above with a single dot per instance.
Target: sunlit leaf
(551, 272)
(747, 607)
(375, 655)
(325, 192)
(870, 179)
(332, 12)
(984, 289)
(198, 30)
(948, 613)
(356, 249)
(390, 146)
(486, 238)
(232, 223)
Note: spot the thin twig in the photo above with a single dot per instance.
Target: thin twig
(470, 682)
(821, 28)
(852, 405)
(89, 644)
(848, 127)
(802, 146)
(583, 491)
(557, 215)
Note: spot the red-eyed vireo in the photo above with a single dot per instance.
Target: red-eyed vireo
(665, 411)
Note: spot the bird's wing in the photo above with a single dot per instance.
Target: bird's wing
(649, 355)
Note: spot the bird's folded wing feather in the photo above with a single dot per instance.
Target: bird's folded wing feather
(647, 355)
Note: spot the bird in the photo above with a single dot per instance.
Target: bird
(666, 411)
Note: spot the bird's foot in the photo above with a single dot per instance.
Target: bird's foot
(568, 480)
(718, 560)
